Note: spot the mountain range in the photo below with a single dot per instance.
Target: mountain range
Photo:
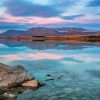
(42, 31)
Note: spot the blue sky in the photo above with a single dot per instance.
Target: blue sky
(23, 14)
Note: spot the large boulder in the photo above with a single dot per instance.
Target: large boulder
(14, 80)
(10, 77)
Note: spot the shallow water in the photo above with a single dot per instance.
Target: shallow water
(77, 65)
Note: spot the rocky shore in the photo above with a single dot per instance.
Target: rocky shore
(14, 80)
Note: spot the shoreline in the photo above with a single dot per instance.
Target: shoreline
(65, 38)
(96, 42)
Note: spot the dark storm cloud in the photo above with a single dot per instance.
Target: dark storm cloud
(25, 8)
(94, 3)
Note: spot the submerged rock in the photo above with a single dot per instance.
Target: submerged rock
(9, 95)
(52, 77)
(49, 75)
(3, 97)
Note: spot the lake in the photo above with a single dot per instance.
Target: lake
(75, 68)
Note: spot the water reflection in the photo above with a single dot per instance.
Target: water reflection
(46, 45)
(77, 64)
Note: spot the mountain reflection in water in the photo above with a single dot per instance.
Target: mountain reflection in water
(40, 45)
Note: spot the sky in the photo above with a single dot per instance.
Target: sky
(24, 14)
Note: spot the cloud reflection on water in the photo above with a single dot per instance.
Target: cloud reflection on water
(87, 58)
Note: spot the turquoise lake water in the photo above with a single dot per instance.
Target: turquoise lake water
(77, 65)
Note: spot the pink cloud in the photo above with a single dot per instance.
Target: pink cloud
(87, 19)
(31, 20)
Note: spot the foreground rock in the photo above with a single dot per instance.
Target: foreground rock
(10, 77)
(13, 81)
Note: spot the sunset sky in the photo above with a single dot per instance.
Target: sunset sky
(24, 14)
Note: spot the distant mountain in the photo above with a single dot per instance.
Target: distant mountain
(12, 33)
(42, 31)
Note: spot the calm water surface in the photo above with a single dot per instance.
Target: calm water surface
(77, 65)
